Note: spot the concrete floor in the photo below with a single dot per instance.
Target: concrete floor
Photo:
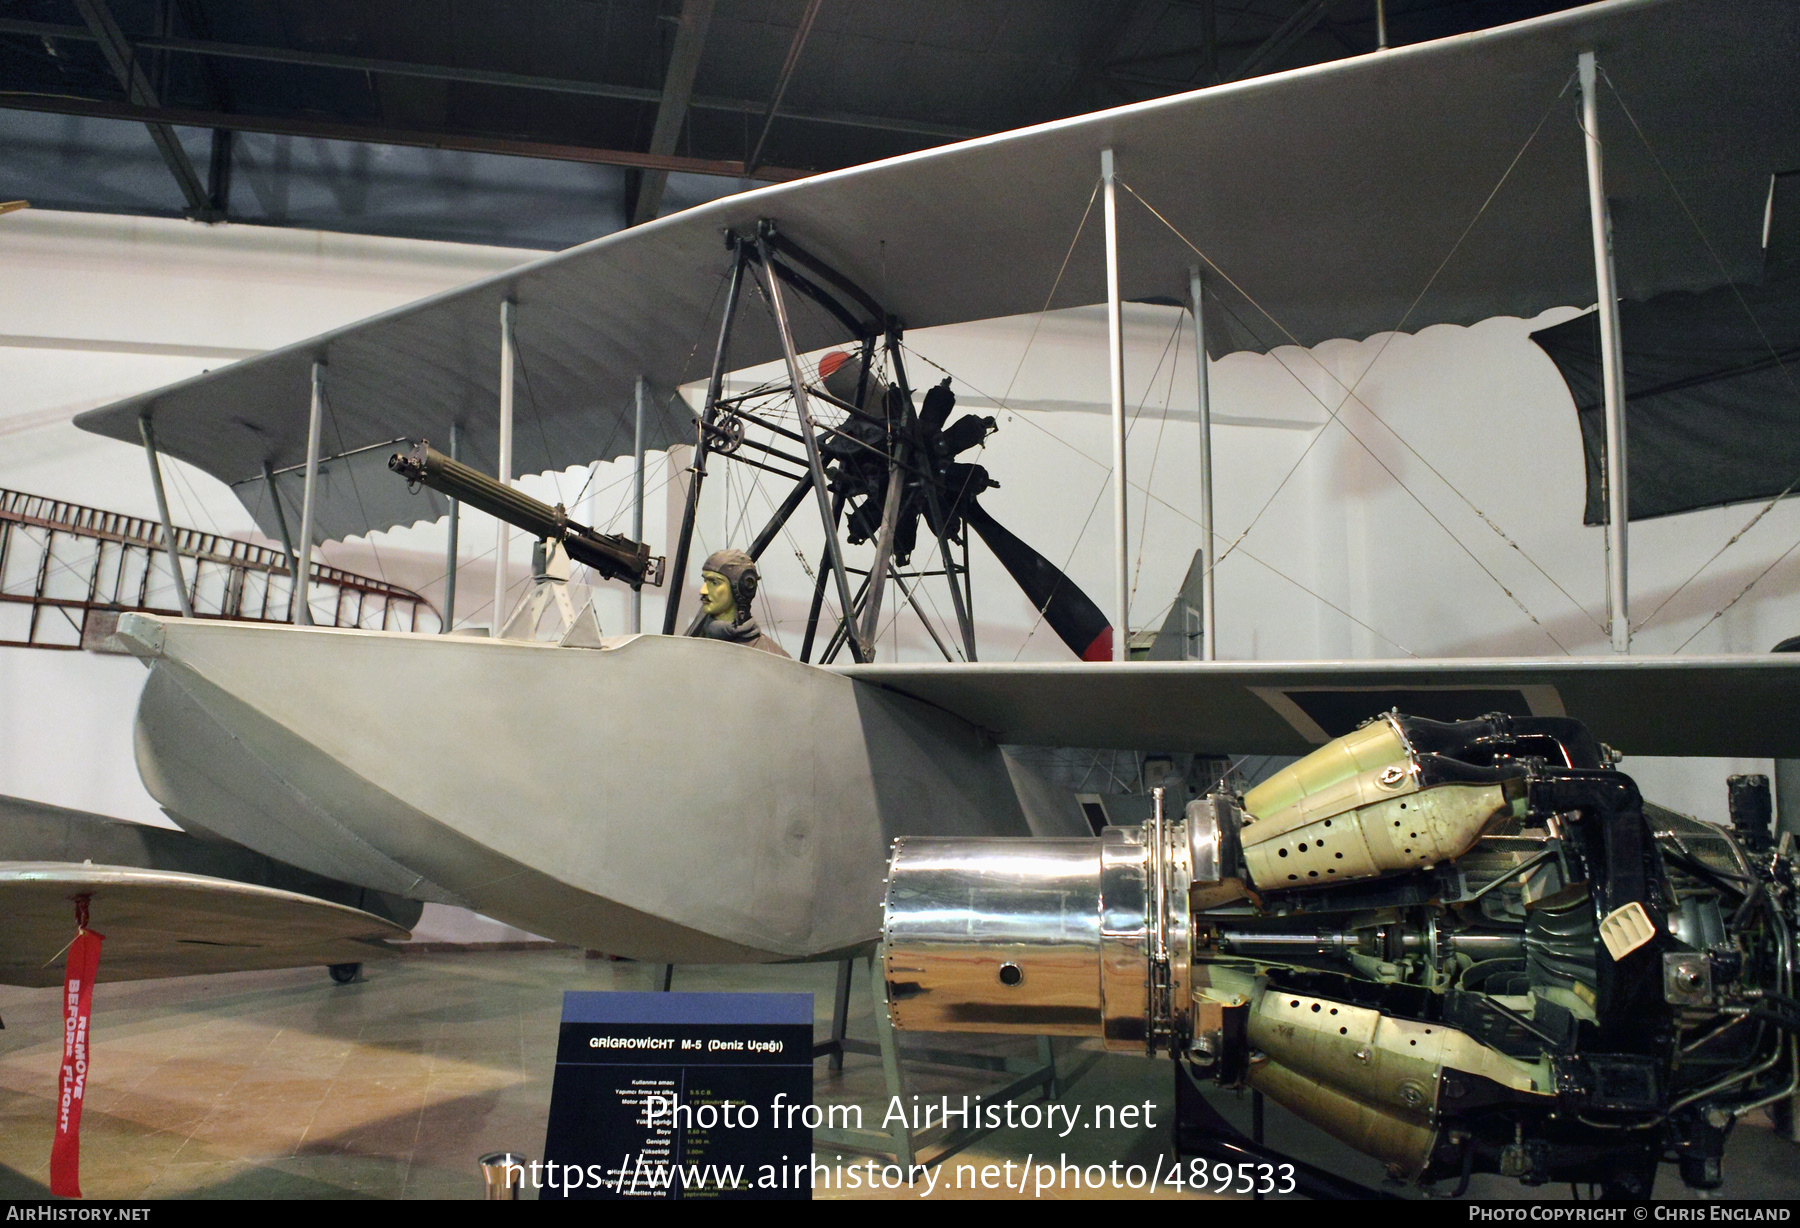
(283, 1085)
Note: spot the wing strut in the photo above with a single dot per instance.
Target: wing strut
(503, 530)
(1208, 569)
(708, 417)
(1612, 369)
(162, 509)
(858, 649)
(1115, 336)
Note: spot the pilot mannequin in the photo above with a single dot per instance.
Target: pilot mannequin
(728, 581)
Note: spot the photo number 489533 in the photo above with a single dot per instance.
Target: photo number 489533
(1222, 1178)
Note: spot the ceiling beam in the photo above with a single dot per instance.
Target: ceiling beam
(1209, 43)
(1206, 50)
(124, 64)
(282, 125)
(1122, 70)
(671, 112)
(1263, 53)
(1285, 36)
(218, 178)
(785, 77)
(480, 76)
(218, 173)
(1101, 48)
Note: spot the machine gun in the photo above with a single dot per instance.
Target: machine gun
(614, 556)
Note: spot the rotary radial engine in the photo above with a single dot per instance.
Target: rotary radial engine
(1456, 947)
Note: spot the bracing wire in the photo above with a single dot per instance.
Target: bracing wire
(1700, 230)
(1093, 507)
(1350, 390)
(1774, 353)
(1030, 420)
(1335, 413)
(1038, 322)
(355, 489)
(1424, 507)
(1085, 524)
(687, 366)
(537, 416)
(1720, 612)
(197, 508)
(923, 591)
(1137, 570)
(1733, 540)
(1236, 542)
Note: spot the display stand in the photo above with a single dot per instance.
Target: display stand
(905, 1145)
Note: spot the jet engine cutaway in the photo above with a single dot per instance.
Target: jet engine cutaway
(1457, 947)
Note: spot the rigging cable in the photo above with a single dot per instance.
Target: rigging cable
(1021, 416)
(1038, 322)
(687, 363)
(1350, 390)
(1137, 570)
(537, 414)
(356, 490)
(1768, 344)
(818, 313)
(1720, 613)
(1335, 415)
(1098, 495)
(1433, 516)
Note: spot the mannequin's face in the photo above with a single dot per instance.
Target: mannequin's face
(715, 596)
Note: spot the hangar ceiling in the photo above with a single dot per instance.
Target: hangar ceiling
(541, 123)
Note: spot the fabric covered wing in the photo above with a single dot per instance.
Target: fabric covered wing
(1639, 705)
(1333, 196)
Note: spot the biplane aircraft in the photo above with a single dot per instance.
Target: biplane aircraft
(737, 806)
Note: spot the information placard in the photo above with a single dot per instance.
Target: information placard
(681, 1095)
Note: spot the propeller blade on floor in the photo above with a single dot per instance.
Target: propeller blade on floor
(1065, 607)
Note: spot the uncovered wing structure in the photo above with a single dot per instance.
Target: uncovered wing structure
(1323, 198)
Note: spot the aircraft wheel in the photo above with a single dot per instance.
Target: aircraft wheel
(344, 974)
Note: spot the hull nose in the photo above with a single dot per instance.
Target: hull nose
(673, 799)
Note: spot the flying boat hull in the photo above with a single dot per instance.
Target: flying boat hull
(668, 799)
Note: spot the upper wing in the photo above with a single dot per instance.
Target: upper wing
(1639, 705)
(1332, 195)
(162, 923)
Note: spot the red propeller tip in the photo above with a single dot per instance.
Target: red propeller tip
(1101, 647)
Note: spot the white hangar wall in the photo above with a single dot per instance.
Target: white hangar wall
(1362, 551)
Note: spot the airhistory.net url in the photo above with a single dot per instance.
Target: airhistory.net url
(638, 1177)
